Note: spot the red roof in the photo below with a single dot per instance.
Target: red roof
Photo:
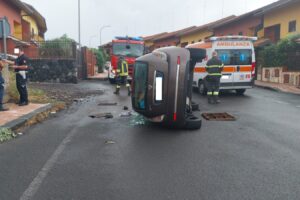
(175, 33)
(209, 25)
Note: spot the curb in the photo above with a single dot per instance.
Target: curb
(268, 88)
(17, 123)
(275, 89)
(98, 79)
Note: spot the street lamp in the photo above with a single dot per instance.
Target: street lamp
(91, 38)
(103, 27)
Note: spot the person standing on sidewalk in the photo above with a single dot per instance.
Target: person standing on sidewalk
(214, 68)
(21, 68)
(122, 74)
(2, 64)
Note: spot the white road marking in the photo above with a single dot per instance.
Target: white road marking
(38, 180)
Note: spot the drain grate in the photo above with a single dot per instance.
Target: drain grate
(218, 117)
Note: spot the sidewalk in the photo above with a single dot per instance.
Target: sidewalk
(19, 115)
(278, 87)
(100, 76)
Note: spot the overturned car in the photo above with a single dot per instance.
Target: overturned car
(162, 86)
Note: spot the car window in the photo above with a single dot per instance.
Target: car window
(140, 85)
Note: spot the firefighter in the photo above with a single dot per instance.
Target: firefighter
(214, 68)
(122, 74)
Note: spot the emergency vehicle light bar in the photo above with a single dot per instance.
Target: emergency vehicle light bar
(234, 37)
(129, 38)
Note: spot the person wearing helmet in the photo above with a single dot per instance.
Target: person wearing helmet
(214, 68)
(122, 74)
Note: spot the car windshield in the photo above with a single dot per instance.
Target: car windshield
(235, 57)
(140, 85)
(130, 50)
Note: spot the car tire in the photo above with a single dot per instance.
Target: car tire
(195, 106)
(201, 88)
(193, 123)
(240, 91)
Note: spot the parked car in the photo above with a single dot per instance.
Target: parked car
(162, 86)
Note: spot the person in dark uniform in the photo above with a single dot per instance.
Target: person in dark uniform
(122, 74)
(21, 68)
(214, 68)
(2, 86)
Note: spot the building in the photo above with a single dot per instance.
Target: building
(37, 22)
(170, 39)
(247, 24)
(280, 19)
(27, 26)
(200, 33)
(149, 40)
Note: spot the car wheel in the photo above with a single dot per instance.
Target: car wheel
(195, 106)
(193, 123)
(240, 91)
(201, 88)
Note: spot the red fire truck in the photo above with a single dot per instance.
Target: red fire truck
(128, 47)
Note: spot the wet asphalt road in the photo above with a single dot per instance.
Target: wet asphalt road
(72, 156)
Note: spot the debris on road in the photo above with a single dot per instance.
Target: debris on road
(125, 108)
(126, 114)
(107, 104)
(102, 115)
(137, 120)
(218, 117)
(110, 142)
(78, 100)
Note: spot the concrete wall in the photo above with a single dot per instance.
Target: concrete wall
(280, 75)
(50, 70)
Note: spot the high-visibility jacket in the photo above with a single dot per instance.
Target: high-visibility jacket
(214, 67)
(122, 69)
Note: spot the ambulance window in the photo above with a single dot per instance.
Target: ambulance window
(140, 85)
(235, 57)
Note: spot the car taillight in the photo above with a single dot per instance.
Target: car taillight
(253, 69)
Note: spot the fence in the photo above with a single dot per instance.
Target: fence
(53, 61)
(52, 50)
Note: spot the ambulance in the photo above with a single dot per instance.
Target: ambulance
(238, 56)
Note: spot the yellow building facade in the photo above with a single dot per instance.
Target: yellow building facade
(33, 25)
(287, 18)
(198, 36)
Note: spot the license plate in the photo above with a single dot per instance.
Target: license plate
(225, 77)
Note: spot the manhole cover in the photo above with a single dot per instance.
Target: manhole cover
(218, 117)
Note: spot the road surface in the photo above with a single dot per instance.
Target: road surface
(72, 156)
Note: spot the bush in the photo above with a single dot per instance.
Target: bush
(279, 54)
(6, 134)
(102, 58)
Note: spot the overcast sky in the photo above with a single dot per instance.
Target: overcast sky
(134, 17)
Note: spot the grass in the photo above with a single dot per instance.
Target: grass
(35, 95)
(6, 134)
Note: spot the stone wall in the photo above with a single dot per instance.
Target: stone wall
(46, 70)
(280, 75)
